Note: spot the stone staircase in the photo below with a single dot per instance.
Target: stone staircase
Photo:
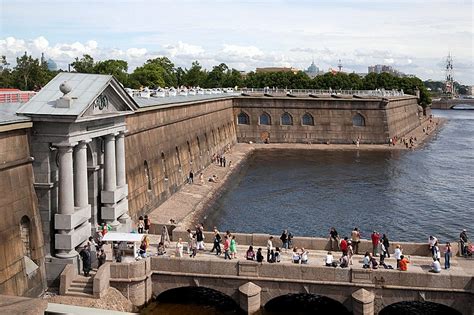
(82, 286)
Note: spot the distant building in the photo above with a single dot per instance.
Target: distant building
(52, 66)
(470, 90)
(312, 70)
(385, 69)
(276, 69)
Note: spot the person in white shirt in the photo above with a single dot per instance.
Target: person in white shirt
(435, 266)
(432, 241)
(269, 247)
(296, 256)
(329, 260)
(397, 254)
(304, 256)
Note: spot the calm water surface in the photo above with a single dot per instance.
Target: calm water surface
(408, 195)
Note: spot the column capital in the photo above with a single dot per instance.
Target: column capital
(64, 146)
(122, 133)
(111, 136)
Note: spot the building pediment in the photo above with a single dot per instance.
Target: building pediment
(79, 96)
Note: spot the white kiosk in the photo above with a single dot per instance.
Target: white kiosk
(124, 239)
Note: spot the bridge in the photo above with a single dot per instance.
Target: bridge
(253, 285)
(452, 103)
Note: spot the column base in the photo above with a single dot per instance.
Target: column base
(67, 254)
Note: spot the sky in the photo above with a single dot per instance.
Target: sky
(413, 36)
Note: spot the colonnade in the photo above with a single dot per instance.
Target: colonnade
(74, 211)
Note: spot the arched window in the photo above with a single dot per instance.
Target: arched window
(163, 161)
(25, 229)
(179, 158)
(190, 154)
(358, 120)
(265, 119)
(243, 119)
(286, 119)
(307, 120)
(147, 175)
(199, 146)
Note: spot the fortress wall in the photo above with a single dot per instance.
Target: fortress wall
(17, 200)
(402, 117)
(186, 135)
(332, 119)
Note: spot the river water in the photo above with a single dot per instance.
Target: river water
(408, 195)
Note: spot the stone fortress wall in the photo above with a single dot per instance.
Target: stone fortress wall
(328, 120)
(20, 224)
(171, 141)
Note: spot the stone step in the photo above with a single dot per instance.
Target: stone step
(81, 285)
(80, 294)
(83, 280)
(80, 290)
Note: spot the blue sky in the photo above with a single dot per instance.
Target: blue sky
(413, 36)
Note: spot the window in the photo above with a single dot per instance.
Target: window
(163, 161)
(358, 120)
(307, 120)
(243, 119)
(25, 235)
(286, 119)
(147, 175)
(190, 154)
(265, 119)
(179, 158)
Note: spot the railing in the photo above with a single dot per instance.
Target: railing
(306, 92)
(16, 96)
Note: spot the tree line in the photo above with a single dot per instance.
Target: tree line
(30, 74)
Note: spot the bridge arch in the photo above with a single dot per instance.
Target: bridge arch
(198, 295)
(418, 308)
(305, 303)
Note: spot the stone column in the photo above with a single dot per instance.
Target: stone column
(81, 196)
(110, 181)
(250, 298)
(120, 158)
(66, 194)
(363, 302)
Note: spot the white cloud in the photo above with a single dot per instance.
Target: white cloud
(389, 61)
(241, 51)
(183, 49)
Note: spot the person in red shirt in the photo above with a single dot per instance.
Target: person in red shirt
(226, 247)
(375, 242)
(403, 263)
(343, 246)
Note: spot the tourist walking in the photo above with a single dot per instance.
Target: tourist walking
(436, 252)
(191, 176)
(233, 247)
(398, 255)
(431, 243)
(201, 178)
(463, 242)
(193, 248)
(284, 239)
(190, 240)
(226, 247)
(141, 225)
(86, 260)
(386, 244)
(350, 251)
(223, 161)
(343, 245)
(447, 255)
(290, 240)
(269, 247)
(334, 239)
(355, 240)
(147, 224)
(375, 242)
(216, 242)
(199, 237)
(179, 248)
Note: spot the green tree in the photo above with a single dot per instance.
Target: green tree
(154, 73)
(117, 68)
(6, 78)
(195, 76)
(216, 76)
(84, 65)
(30, 74)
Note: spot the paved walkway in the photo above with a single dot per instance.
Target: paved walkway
(419, 264)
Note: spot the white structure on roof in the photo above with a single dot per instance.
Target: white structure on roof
(79, 150)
